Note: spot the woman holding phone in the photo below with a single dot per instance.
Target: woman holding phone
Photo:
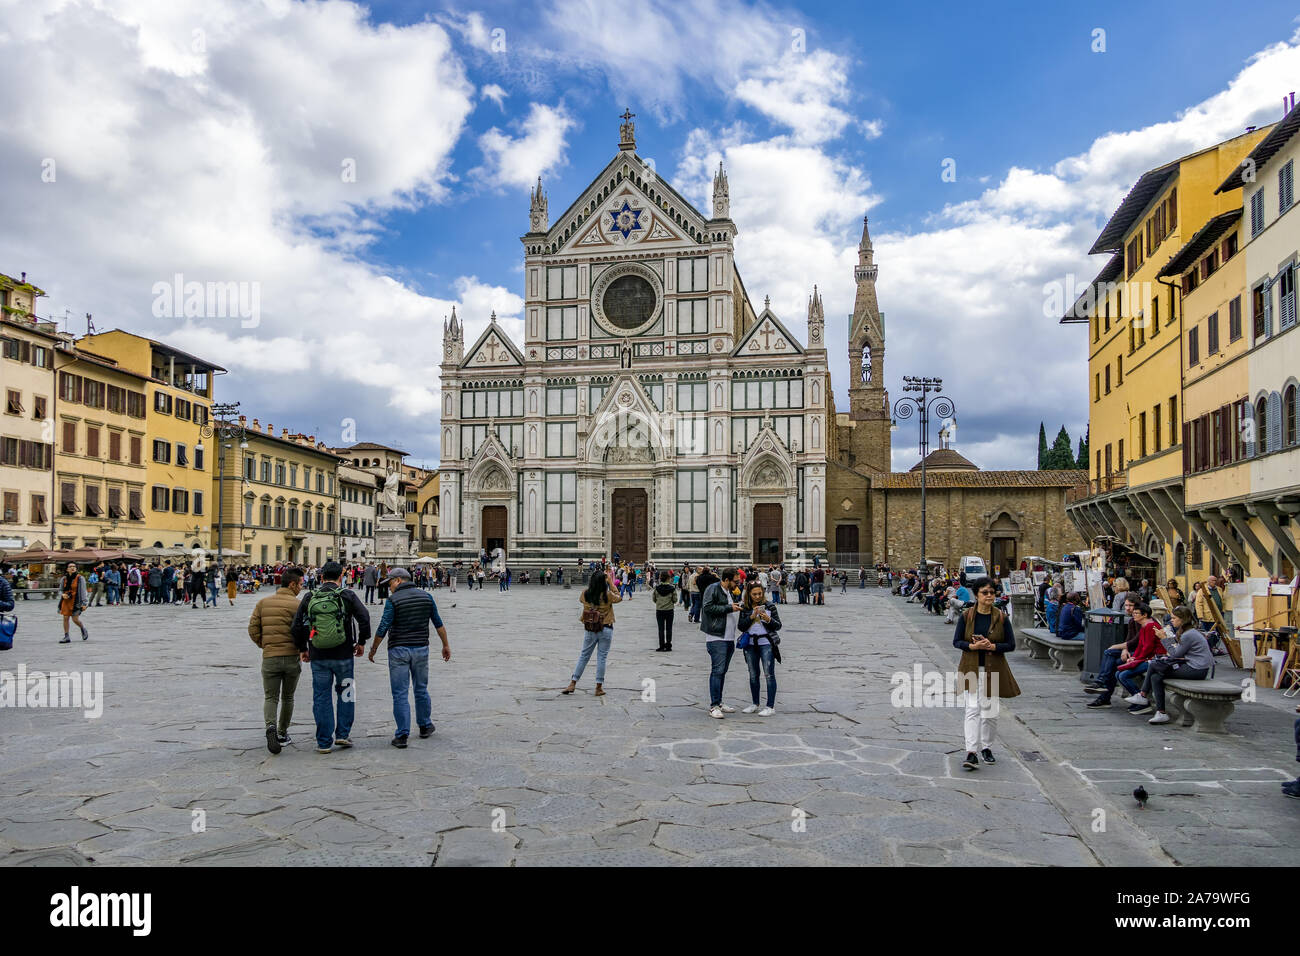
(758, 626)
(984, 637)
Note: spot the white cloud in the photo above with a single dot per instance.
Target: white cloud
(494, 93)
(223, 161)
(800, 91)
(517, 161)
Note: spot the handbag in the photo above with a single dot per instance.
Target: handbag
(8, 627)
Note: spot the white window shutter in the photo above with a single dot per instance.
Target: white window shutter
(1274, 421)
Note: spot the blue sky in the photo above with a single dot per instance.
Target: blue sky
(206, 138)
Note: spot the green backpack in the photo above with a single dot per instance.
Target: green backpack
(325, 613)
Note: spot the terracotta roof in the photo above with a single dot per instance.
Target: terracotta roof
(946, 459)
(1148, 186)
(980, 479)
(1199, 244)
(1264, 150)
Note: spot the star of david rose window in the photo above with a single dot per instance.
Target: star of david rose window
(625, 219)
(626, 299)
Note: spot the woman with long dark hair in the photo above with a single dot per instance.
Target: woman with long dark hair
(73, 600)
(759, 622)
(985, 637)
(597, 620)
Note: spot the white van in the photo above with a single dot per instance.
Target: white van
(973, 567)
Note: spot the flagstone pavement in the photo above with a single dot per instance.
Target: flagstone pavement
(175, 770)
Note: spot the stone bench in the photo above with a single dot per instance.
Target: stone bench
(1042, 644)
(43, 592)
(1203, 705)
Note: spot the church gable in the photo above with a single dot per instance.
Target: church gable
(493, 350)
(490, 469)
(626, 205)
(768, 337)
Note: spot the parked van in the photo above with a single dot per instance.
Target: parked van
(973, 567)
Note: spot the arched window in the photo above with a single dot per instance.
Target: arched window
(1261, 426)
(1180, 559)
(1288, 415)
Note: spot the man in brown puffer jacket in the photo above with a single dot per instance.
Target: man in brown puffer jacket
(269, 627)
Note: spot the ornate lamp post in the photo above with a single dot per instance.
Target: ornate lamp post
(226, 431)
(905, 408)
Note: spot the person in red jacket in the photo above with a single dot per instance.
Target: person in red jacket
(1148, 646)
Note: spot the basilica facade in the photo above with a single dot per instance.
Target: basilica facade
(651, 410)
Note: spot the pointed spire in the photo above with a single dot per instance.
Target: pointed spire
(815, 313)
(455, 325)
(866, 270)
(538, 216)
(866, 236)
(721, 194)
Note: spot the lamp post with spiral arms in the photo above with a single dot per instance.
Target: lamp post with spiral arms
(905, 408)
(226, 430)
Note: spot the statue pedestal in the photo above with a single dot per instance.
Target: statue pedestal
(392, 540)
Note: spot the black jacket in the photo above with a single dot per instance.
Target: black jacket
(714, 608)
(6, 595)
(355, 617)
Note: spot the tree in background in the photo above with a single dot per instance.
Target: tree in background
(1082, 461)
(1061, 455)
(1042, 445)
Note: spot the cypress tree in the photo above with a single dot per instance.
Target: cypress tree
(1042, 445)
(1060, 457)
(1082, 461)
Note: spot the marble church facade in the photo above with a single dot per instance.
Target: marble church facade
(651, 410)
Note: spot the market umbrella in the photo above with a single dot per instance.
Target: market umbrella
(31, 556)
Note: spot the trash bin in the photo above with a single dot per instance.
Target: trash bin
(1102, 628)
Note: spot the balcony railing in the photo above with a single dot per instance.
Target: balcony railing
(1096, 486)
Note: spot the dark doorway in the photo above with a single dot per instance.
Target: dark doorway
(846, 544)
(1003, 556)
(630, 538)
(768, 528)
(495, 521)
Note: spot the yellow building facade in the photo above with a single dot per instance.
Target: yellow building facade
(101, 475)
(26, 430)
(180, 393)
(1135, 319)
(284, 506)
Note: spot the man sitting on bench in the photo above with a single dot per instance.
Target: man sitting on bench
(1191, 659)
(1070, 623)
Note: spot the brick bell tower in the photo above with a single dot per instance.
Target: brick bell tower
(868, 398)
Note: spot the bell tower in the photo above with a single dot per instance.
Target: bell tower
(868, 398)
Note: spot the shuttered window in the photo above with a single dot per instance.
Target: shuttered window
(68, 498)
(1257, 212)
(70, 438)
(136, 506)
(1286, 297)
(115, 503)
(1285, 186)
(92, 502)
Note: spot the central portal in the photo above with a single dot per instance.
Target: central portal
(630, 525)
(767, 535)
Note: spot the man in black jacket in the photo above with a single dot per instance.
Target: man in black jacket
(331, 667)
(408, 611)
(715, 605)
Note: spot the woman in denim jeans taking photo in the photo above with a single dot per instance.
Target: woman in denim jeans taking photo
(759, 622)
(599, 596)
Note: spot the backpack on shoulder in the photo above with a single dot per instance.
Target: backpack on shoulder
(325, 613)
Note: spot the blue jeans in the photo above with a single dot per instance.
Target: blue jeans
(1109, 661)
(1128, 677)
(112, 594)
(407, 666)
(720, 653)
(212, 591)
(598, 641)
(753, 655)
(335, 675)
(694, 614)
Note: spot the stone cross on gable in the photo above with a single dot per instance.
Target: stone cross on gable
(766, 332)
(491, 346)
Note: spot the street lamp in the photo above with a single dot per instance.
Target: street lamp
(226, 431)
(905, 408)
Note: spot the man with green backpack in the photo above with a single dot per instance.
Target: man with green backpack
(332, 627)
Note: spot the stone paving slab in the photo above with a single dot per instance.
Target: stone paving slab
(518, 774)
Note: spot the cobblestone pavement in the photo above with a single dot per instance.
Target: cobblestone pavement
(519, 775)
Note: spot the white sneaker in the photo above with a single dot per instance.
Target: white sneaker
(715, 712)
(767, 712)
(1138, 698)
(1159, 718)
(750, 709)
(727, 709)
